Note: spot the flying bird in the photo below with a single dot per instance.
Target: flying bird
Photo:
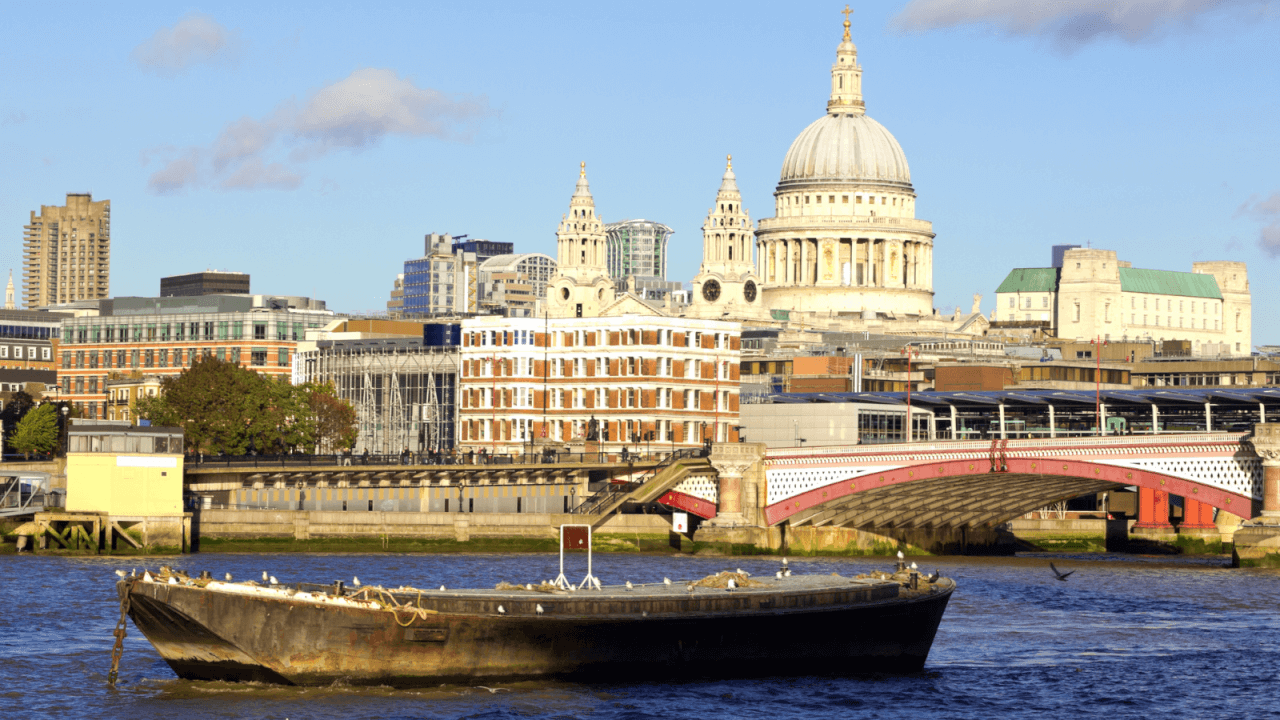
(491, 690)
(1059, 574)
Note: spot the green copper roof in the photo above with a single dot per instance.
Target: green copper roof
(1166, 282)
(1030, 280)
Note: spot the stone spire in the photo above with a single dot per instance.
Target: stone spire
(9, 302)
(581, 237)
(846, 77)
(727, 234)
(581, 285)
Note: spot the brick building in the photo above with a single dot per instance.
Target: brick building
(163, 336)
(645, 378)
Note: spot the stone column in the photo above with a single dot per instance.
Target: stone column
(1266, 443)
(731, 460)
(804, 262)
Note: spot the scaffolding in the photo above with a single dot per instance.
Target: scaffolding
(404, 393)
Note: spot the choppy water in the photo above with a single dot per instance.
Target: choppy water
(1125, 637)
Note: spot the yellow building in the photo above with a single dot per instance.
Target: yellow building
(129, 473)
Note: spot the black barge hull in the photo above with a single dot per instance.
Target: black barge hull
(827, 625)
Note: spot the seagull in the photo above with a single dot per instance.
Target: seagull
(441, 588)
(1060, 575)
(689, 587)
(355, 581)
(274, 581)
(743, 573)
(731, 584)
(779, 574)
(265, 577)
(529, 586)
(784, 562)
(787, 572)
(121, 573)
(900, 555)
(934, 577)
(538, 608)
(596, 582)
(146, 576)
(501, 610)
(491, 690)
(914, 566)
(644, 613)
(173, 580)
(228, 577)
(666, 581)
(629, 585)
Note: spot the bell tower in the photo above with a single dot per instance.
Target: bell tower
(726, 286)
(846, 77)
(581, 286)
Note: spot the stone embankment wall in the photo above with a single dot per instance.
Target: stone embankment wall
(307, 525)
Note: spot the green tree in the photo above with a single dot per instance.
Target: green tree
(37, 431)
(223, 407)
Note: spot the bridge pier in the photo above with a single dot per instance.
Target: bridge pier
(1257, 542)
(1153, 512)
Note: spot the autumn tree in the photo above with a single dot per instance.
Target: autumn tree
(334, 417)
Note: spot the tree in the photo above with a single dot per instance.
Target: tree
(223, 407)
(37, 431)
(19, 405)
(335, 418)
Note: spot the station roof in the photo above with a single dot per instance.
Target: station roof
(1145, 396)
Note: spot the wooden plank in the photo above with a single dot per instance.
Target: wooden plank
(127, 538)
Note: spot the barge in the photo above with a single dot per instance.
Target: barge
(309, 634)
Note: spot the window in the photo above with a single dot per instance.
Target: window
(1012, 302)
(258, 356)
(283, 357)
(260, 332)
(1077, 312)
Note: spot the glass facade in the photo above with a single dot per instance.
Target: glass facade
(637, 247)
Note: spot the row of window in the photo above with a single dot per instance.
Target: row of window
(152, 358)
(21, 352)
(580, 338)
(27, 332)
(626, 431)
(186, 332)
(599, 367)
(581, 398)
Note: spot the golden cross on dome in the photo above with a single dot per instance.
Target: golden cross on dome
(846, 12)
(583, 171)
(730, 160)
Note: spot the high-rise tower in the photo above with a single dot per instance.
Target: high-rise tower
(726, 285)
(581, 286)
(67, 254)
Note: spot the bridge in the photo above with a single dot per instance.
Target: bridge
(983, 484)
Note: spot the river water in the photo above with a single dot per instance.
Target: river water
(1124, 637)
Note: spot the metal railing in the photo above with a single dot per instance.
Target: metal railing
(21, 497)
(470, 459)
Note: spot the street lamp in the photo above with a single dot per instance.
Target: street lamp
(1098, 343)
(909, 351)
(66, 434)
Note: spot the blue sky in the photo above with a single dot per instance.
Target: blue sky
(313, 145)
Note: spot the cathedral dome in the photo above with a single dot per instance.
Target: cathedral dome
(845, 148)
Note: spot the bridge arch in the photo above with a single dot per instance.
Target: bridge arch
(968, 493)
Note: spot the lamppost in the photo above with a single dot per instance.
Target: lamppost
(909, 351)
(1098, 343)
(65, 429)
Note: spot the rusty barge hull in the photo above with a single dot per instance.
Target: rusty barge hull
(800, 625)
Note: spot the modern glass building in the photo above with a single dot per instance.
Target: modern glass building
(441, 282)
(637, 247)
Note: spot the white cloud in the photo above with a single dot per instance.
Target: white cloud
(1268, 209)
(1070, 23)
(177, 174)
(1269, 239)
(354, 113)
(254, 174)
(195, 39)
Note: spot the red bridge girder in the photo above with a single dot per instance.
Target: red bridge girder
(833, 492)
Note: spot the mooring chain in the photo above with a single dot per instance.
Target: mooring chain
(118, 650)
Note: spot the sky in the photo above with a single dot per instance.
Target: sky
(313, 145)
